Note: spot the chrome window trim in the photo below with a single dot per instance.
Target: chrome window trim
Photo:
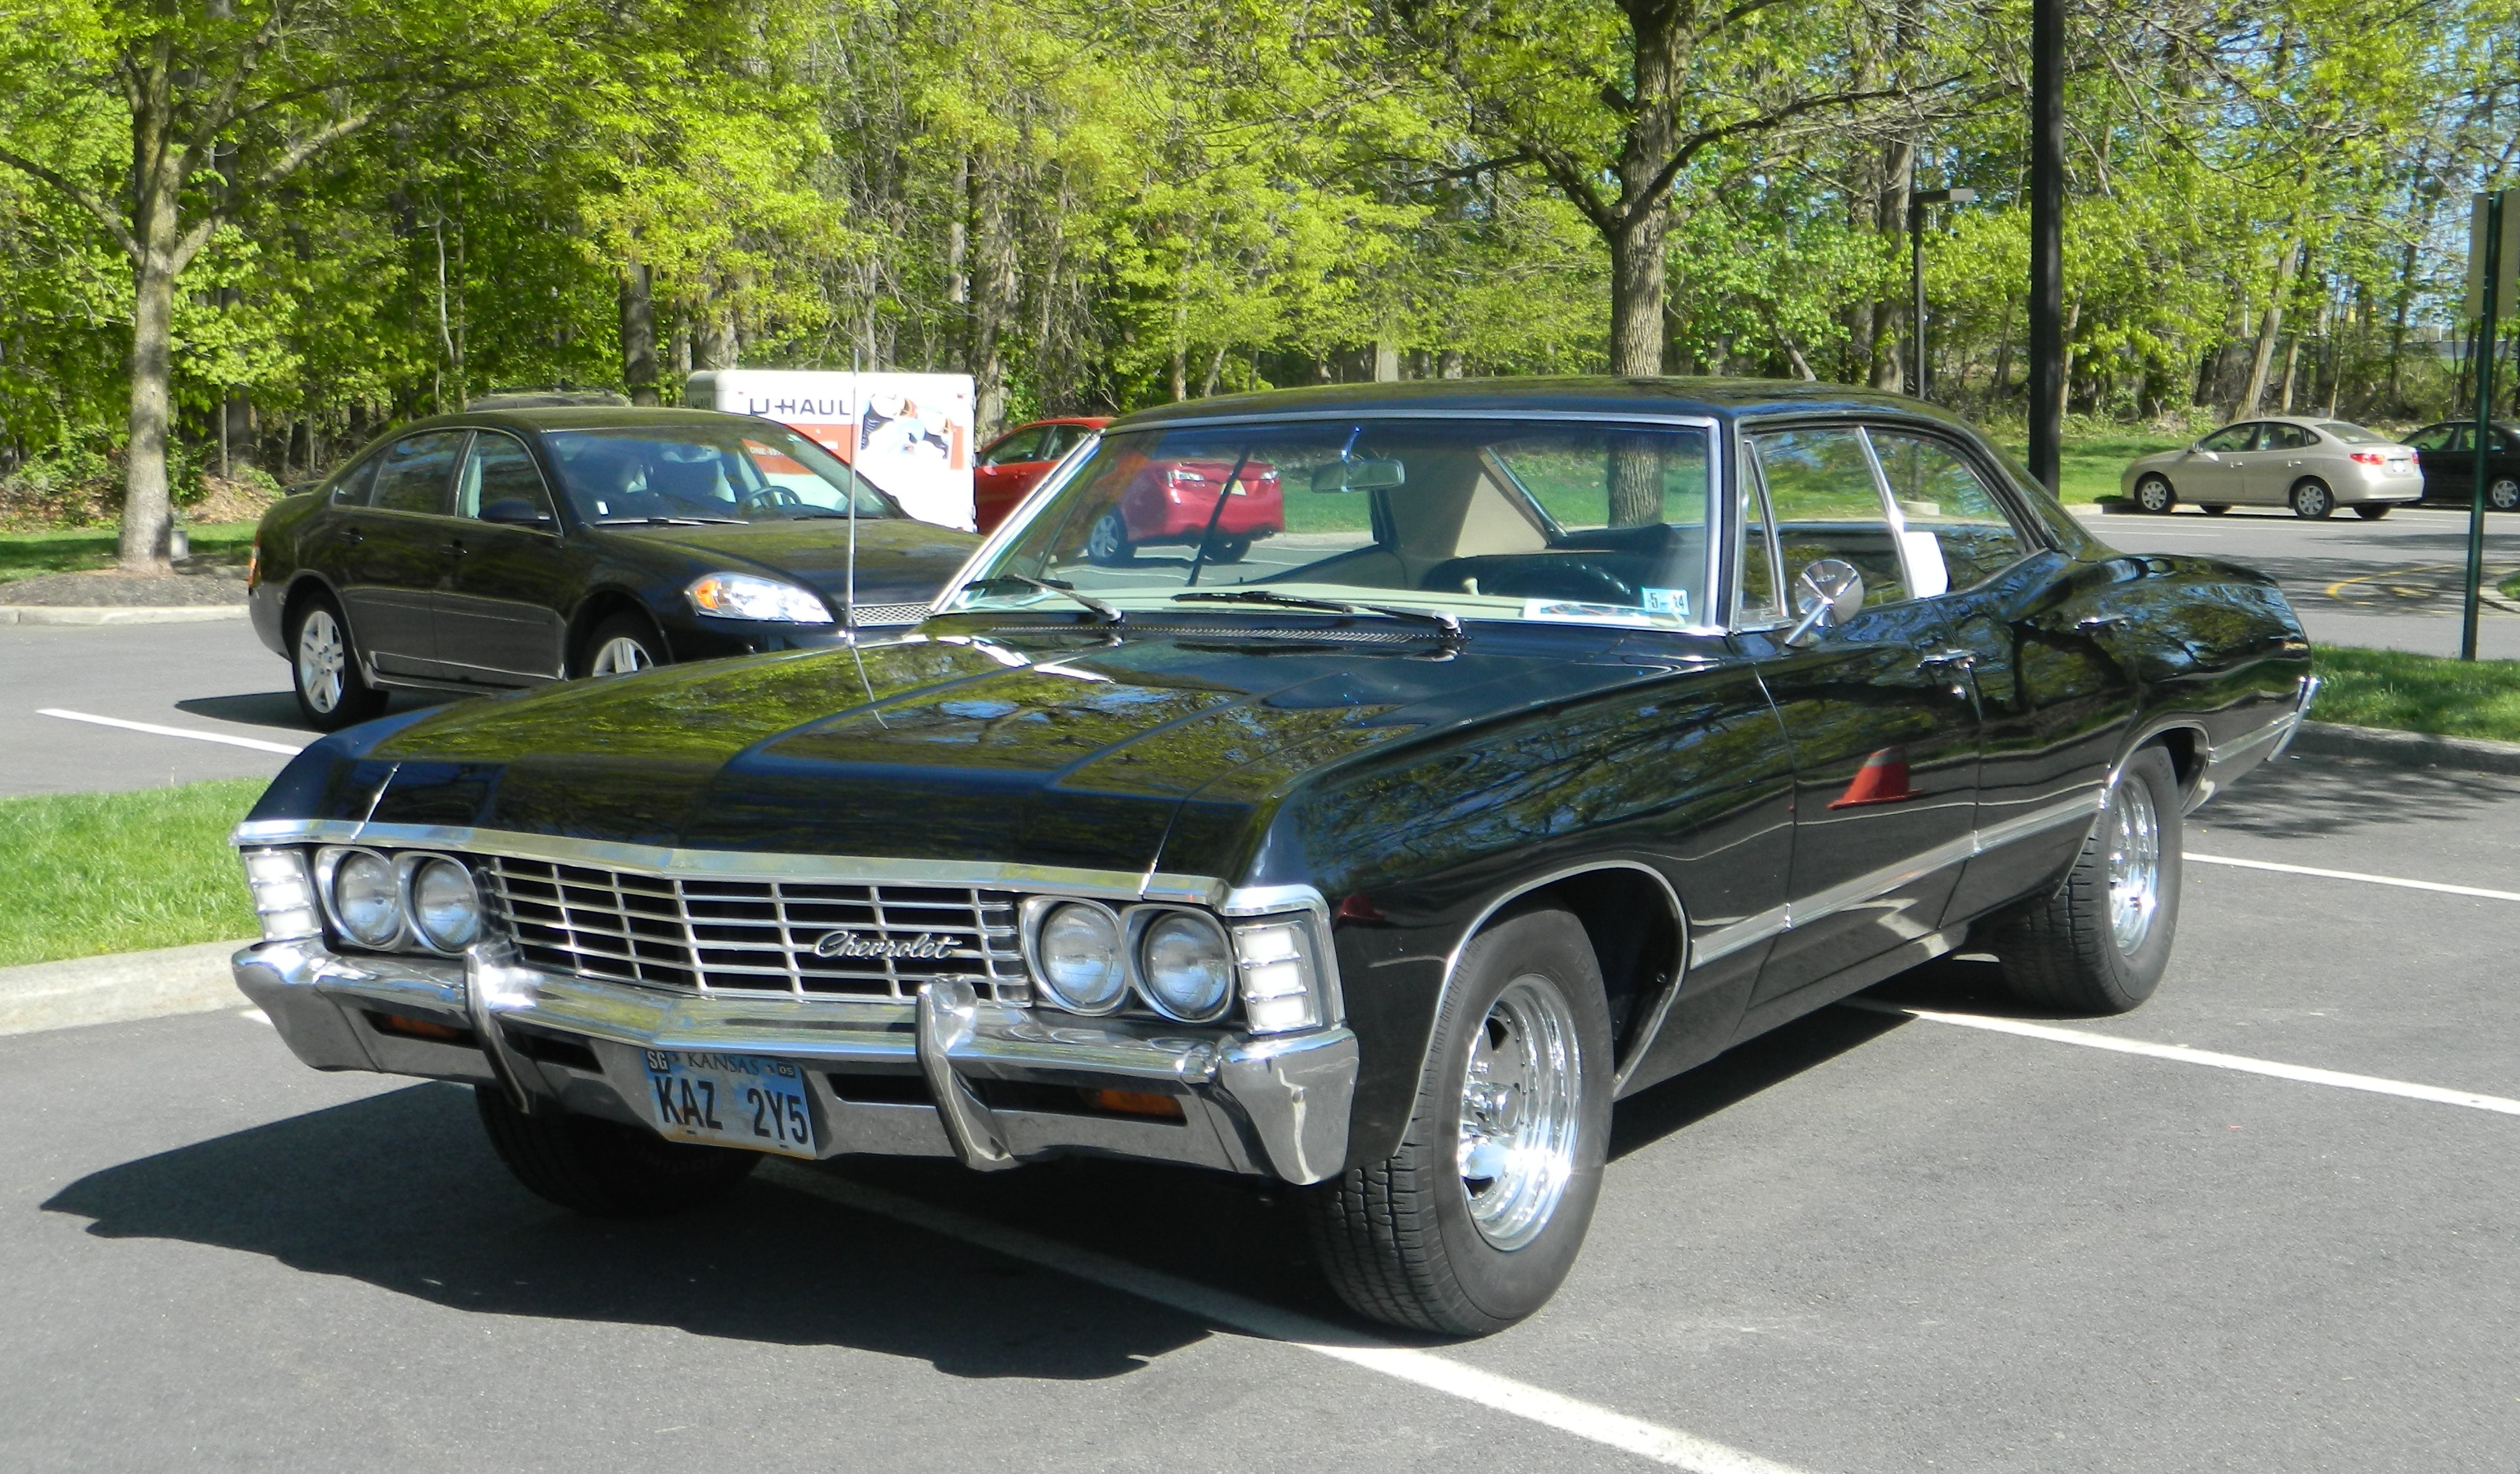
(1724, 942)
(1652, 1025)
(1016, 521)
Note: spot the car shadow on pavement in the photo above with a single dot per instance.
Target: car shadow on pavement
(400, 1190)
(279, 708)
(2311, 797)
(1740, 1073)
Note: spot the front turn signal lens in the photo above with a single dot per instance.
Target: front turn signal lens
(1282, 988)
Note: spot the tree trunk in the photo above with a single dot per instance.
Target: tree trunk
(1637, 288)
(148, 511)
(2269, 326)
(993, 297)
(1890, 221)
(1387, 361)
(1450, 363)
(639, 334)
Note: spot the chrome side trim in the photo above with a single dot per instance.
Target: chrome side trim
(2300, 713)
(1724, 942)
(733, 864)
(1662, 1005)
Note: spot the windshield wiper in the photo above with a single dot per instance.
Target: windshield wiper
(1109, 614)
(668, 521)
(1452, 627)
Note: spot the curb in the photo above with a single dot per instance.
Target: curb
(119, 987)
(2329, 739)
(119, 614)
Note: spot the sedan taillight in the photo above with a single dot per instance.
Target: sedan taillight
(2367, 458)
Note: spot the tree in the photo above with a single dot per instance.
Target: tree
(220, 101)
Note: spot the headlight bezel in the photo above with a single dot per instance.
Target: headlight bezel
(1143, 923)
(1300, 996)
(714, 595)
(406, 865)
(1039, 911)
(412, 878)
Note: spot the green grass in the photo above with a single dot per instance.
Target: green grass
(88, 873)
(31, 555)
(2088, 466)
(2509, 588)
(2418, 693)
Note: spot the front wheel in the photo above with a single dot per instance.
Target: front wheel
(323, 670)
(2311, 501)
(2373, 511)
(2098, 944)
(1228, 550)
(2214, 508)
(2153, 495)
(621, 645)
(603, 1168)
(2502, 494)
(1473, 1223)
(1107, 541)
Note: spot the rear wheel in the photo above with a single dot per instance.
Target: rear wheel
(1473, 1223)
(2153, 495)
(2502, 494)
(1227, 549)
(2373, 511)
(603, 1168)
(1107, 541)
(324, 669)
(2099, 943)
(2311, 501)
(622, 645)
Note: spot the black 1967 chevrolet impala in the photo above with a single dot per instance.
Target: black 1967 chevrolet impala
(1571, 732)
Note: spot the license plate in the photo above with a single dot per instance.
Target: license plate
(729, 1100)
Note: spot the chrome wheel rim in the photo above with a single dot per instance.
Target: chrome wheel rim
(1521, 1096)
(321, 661)
(2502, 496)
(619, 656)
(2135, 864)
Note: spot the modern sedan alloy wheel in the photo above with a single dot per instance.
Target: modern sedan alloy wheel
(621, 646)
(2311, 501)
(2502, 494)
(2099, 943)
(323, 670)
(1107, 540)
(1473, 1223)
(2153, 495)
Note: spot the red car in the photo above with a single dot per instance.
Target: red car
(1176, 501)
(1009, 465)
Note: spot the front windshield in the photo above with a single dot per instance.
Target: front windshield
(1496, 520)
(738, 471)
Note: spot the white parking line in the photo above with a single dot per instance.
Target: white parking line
(256, 743)
(2186, 1056)
(1584, 1420)
(2368, 880)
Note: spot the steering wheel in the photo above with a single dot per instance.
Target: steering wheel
(769, 497)
(1608, 587)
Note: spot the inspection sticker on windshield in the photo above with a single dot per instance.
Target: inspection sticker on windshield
(1667, 601)
(729, 1100)
(1573, 611)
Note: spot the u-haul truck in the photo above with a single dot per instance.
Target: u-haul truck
(910, 434)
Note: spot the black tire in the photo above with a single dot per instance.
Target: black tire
(1108, 542)
(603, 1169)
(2062, 952)
(1399, 1238)
(1228, 550)
(2373, 511)
(2153, 495)
(2502, 494)
(323, 670)
(2311, 501)
(609, 644)
(2214, 508)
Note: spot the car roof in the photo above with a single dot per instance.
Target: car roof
(1095, 420)
(1606, 394)
(574, 417)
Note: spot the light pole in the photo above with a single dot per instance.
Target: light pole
(1918, 204)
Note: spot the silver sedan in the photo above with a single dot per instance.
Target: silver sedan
(2312, 466)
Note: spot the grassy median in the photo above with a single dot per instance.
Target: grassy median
(2418, 693)
(88, 873)
(78, 550)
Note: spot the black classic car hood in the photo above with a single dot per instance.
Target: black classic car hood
(899, 561)
(1048, 752)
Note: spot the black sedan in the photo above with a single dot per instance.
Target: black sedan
(512, 547)
(1573, 732)
(2447, 451)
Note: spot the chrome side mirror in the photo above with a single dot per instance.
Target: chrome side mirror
(1829, 592)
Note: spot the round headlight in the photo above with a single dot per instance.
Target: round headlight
(445, 907)
(1186, 966)
(1079, 946)
(364, 901)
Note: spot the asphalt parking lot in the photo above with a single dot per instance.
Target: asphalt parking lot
(1871, 1241)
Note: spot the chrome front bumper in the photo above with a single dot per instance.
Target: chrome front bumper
(951, 1077)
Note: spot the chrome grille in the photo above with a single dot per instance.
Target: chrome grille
(703, 933)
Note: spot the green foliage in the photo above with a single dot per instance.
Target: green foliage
(90, 873)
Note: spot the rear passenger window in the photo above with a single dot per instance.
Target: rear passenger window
(412, 476)
(1952, 516)
(1826, 504)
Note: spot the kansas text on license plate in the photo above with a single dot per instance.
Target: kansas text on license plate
(729, 1100)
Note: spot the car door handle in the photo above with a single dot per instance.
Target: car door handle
(1957, 660)
(352, 536)
(2089, 623)
(457, 548)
